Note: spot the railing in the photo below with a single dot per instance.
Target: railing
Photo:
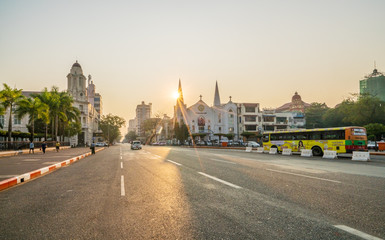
(18, 145)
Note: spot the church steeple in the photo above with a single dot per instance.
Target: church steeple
(217, 99)
(180, 98)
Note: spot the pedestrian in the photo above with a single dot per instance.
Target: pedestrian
(31, 147)
(92, 148)
(57, 146)
(43, 146)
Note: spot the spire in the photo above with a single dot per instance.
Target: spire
(217, 99)
(180, 98)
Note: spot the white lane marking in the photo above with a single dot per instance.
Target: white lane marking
(174, 162)
(357, 233)
(121, 157)
(220, 180)
(121, 165)
(122, 191)
(213, 159)
(301, 175)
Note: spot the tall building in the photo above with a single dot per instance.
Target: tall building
(143, 112)
(77, 88)
(374, 84)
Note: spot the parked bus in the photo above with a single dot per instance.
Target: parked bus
(342, 140)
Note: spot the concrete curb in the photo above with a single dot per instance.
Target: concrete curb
(42, 171)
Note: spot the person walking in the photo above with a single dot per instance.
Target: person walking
(31, 147)
(57, 146)
(92, 148)
(43, 146)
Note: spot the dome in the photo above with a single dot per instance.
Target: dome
(296, 98)
(76, 64)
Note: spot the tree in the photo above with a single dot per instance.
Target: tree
(247, 135)
(149, 127)
(131, 136)
(367, 109)
(339, 116)
(9, 98)
(35, 109)
(314, 114)
(45, 97)
(181, 132)
(110, 126)
(375, 131)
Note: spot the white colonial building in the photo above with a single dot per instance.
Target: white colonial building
(83, 100)
(210, 122)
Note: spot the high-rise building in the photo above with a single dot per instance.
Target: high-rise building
(374, 84)
(143, 112)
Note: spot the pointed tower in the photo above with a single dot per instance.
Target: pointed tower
(217, 99)
(180, 107)
(180, 98)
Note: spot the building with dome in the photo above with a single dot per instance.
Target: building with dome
(296, 105)
(84, 100)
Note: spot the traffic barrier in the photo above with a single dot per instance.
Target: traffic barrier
(306, 153)
(361, 156)
(249, 149)
(330, 154)
(273, 151)
(259, 149)
(286, 151)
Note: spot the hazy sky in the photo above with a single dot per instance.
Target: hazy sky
(258, 51)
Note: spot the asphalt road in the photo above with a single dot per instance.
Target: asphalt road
(180, 193)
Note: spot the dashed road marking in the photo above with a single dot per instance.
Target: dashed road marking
(217, 160)
(301, 175)
(121, 165)
(174, 162)
(220, 180)
(357, 233)
(122, 191)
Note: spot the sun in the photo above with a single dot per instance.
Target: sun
(175, 95)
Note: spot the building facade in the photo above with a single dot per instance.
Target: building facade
(374, 84)
(209, 122)
(143, 112)
(83, 100)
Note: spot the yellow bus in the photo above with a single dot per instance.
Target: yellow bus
(341, 139)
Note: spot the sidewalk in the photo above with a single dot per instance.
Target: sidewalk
(26, 166)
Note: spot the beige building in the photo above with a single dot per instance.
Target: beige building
(77, 88)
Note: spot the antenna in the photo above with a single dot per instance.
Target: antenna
(375, 64)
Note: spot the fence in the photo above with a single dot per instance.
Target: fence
(18, 145)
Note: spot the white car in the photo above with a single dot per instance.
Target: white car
(252, 144)
(136, 145)
(100, 144)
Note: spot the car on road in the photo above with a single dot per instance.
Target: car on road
(136, 145)
(252, 144)
(100, 144)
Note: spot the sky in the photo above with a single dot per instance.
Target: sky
(258, 51)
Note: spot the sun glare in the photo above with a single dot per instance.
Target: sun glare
(175, 95)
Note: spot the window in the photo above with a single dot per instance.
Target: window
(16, 120)
(251, 127)
(219, 118)
(231, 129)
(2, 120)
(220, 129)
(250, 118)
(249, 109)
(328, 135)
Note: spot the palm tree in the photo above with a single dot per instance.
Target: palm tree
(67, 112)
(9, 98)
(35, 108)
(45, 97)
